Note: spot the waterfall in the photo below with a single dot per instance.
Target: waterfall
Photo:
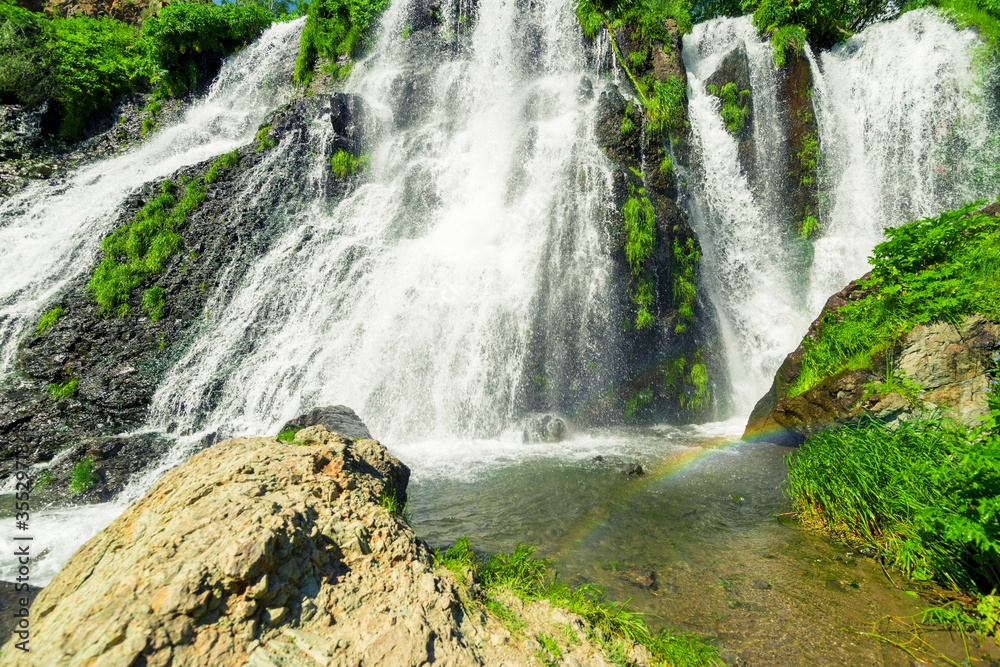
(51, 231)
(904, 133)
(416, 298)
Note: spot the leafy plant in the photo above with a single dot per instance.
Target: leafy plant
(735, 106)
(48, 321)
(639, 223)
(82, 476)
(153, 300)
(637, 402)
(264, 139)
(344, 164)
(335, 29)
(288, 435)
(44, 479)
(141, 248)
(59, 391)
(685, 265)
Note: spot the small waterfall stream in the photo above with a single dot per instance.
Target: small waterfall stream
(903, 135)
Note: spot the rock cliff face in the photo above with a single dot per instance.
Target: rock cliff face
(118, 361)
(266, 553)
(947, 364)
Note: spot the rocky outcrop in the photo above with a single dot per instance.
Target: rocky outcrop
(266, 553)
(129, 11)
(795, 102)
(944, 365)
(646, 165)
(735, 69)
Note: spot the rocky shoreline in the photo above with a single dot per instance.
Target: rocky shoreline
(260, 552)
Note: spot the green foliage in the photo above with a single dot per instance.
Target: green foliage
(227, 160)
(335, 29)
(85, 65)
(616, 628)
(390, 502)
(44, 479)
(734, 108)
(927, 494)
(808, 154)
(666, 106)
(627, 125)
(288, 435)
(809, 227)
(640, 239)
(141, 248)
(685, 266)
(666, 165)
(937, 268)
(153, 301)
(344, 164)
(637, 402)
(64, 390)
(174, 39)
(82, 476)
(785, 38)
(686, 377)
(48, 321)
(264, 139)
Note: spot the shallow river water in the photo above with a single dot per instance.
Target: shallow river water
(701, 541)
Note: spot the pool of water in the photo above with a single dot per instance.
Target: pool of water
(702, 540)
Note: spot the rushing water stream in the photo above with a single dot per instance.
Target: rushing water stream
(480, 223)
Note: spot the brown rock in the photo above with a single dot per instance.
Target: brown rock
(238, 557)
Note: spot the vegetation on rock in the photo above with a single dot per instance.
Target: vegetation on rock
(640, 240)
(83, 66)
(82, 476)
(336, 30)
(48, 320)
(527, 577)
(935, 268)
(344, 164)
(734, 108)
(141, 248)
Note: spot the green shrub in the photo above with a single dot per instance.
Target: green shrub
(82, 476)
(153, 301)
(335, 28)
(64, 390)
(288, 435)
(176, 37)
(264, 139)
(27, 57)
(48, 320)
(344, 164)
(639, 224)
(939, 268)
(141, 248)
(924, 492)
(734, 108)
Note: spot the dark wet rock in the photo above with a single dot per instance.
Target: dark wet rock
(336, 419)
(544, 428)
(735, 69)
(639, 577)
(633, 469)
(761, 585)
(348, 116)
(795, 102)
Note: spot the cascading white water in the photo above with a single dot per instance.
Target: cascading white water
(413, 300)
(746, 267)
(903, 131)
(50, 232)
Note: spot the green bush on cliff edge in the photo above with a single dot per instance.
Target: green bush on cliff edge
(939, 268)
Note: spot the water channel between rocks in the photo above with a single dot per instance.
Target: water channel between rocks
(701, 541)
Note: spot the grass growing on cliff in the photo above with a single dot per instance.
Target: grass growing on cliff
(639, 224)
(48, 321)
(335, 30)
(734, 107)
(141, 248)
(82, 476)
(924, 493)
(939, 268)
(59, 391)
(612, 625)
(344, 164)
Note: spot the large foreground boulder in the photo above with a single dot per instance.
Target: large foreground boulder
(266, 553)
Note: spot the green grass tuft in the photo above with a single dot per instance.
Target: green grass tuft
(82, 476)
(344, 164)
(153, 301)
(44, 479)
(64, 390)
(288, 435)
(48, 320)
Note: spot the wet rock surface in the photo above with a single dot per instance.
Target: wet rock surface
(118, 361)
(948, 363)
(261, 552)
(735, 69)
